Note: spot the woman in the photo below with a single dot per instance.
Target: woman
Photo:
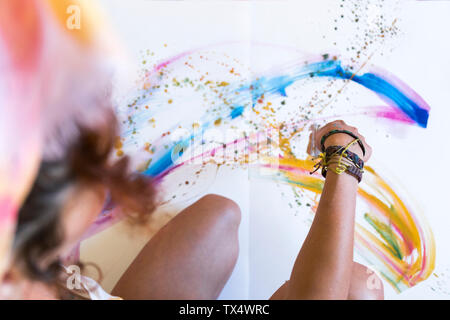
(55, 101)
(193, 256)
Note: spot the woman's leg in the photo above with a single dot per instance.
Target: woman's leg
(364, 285)
(191, 257)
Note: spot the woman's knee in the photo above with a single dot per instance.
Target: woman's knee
(224, 209)
(226, 216)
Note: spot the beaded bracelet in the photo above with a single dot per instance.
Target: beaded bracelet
(326, 135)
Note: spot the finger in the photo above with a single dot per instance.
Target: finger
(335, 125)
(338, 124)
(319, 134)
(313, 147)
(309, 148)
(339, 121)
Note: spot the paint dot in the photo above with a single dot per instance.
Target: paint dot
(118, 143)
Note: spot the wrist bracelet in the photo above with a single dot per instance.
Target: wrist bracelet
(345, 161)
(340, 150)
(326, 135)
(351, 170)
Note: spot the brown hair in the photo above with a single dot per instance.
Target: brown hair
(86, 160)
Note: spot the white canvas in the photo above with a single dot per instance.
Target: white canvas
(264, 36)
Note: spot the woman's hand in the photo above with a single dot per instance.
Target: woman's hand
(339, 139)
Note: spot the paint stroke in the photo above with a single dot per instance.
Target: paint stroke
(399, 245)
(405, 106)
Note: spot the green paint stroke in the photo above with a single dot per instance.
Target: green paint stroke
(385, 231)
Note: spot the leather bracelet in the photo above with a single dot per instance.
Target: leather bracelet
(339, 150)
(326, 135)
(351, 170)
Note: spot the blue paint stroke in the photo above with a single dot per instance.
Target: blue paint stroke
(277, 85)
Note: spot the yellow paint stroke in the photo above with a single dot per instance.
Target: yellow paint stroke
(394, 241)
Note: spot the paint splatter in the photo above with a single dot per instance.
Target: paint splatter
(390, 236)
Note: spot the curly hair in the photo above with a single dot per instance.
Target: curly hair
(86, 160)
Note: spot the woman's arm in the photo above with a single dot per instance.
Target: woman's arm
(324, 265)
